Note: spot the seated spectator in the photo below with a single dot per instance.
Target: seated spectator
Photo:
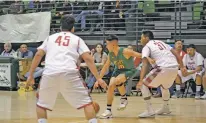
(8, 51)
(23, 52)
(178, 48)
(193, 62)
(204, 82)
(100, 57)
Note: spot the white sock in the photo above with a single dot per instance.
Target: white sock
(177, 87)
(94, 120)
(165, 103)
(198, 87)
(149, 105)
(165, 96)
(42, 120)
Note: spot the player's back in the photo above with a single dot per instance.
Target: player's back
(62, 53)
(161, 52)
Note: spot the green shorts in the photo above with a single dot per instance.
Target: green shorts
(128, 72)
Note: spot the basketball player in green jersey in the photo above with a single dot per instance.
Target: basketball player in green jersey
(122, 58)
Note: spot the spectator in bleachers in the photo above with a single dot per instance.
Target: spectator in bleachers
(8, 51)
(100, 57)
(23, 52)
(193, 62)
(204, 82)
(17, 7)
(95, 8)
(179, 49)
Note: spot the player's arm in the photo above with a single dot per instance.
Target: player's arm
(36, 61)
(130, 53)
(144, 69)
(179, 60)
(105, 67)
(145, 65)
(89, 60)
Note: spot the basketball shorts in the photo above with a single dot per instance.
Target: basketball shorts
(191, 76)
(70, 85)
(161, 77)
(128, 72)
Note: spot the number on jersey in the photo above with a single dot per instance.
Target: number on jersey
(160, 45)
(63, 41)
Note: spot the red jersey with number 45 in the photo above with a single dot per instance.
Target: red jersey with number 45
(62, 52)
(161, 52)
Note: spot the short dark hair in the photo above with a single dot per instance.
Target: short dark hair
(179, 40)
(111, 38)
(67, 22)
(148, 34)
(191, 46)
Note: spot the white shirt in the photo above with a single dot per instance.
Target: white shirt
(192, 62)
(62, 52)
(159, 51)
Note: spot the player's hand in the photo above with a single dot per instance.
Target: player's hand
(96, 85)
(184, 71)
(139, 85)
(30, 81)
(102, 83)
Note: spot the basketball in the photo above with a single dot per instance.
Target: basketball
(96, 107)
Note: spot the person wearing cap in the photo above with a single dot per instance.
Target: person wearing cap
(193, 62)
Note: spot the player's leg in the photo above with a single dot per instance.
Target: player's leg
(110, 96)
(167, 76)
(147, 95)
(198, 81)
(48, 86)
(165, 107)
(119, 82)
(74, 91)
(147, 98)
(204, 86)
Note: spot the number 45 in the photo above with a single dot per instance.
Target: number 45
(63, 41)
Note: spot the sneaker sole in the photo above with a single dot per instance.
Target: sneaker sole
(165, 113)
(151, 116)
(108, 117)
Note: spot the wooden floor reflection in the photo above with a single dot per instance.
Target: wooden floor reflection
(20, 108)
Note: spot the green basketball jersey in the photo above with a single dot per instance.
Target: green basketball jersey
(120, 61)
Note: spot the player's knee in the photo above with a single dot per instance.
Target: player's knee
(111, 86)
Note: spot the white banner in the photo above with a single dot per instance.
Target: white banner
(25, 28)
(5, 74)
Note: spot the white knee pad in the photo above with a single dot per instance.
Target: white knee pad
(145, 91)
